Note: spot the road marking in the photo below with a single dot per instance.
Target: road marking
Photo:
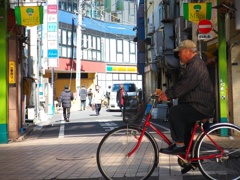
(167, 129)
(107, 125)
(85, 135)
(61, 131)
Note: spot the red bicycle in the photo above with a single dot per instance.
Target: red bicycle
(131, 151)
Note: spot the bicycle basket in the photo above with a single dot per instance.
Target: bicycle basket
(132, 116)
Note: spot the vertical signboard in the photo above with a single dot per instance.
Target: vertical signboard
(11, 72)
(52, 47)
(52, 33)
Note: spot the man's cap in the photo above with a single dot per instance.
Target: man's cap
(66, 86)
(185, 44)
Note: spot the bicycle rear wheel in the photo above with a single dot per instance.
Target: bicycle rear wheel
(227, 167)
(112, 151)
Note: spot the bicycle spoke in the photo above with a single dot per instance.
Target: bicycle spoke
(226, 165)
(112, 156)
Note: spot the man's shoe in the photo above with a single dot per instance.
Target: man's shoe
(174, 150)
(67, 120)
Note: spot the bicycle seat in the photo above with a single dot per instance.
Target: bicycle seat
(203, 120)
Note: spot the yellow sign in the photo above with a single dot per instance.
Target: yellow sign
(29, 15)
(196, 12)
(11, 73)
(124, 69)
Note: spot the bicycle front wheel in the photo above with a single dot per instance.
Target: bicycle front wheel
(112, 159)
(227, 165)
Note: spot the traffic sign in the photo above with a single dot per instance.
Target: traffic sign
(205, 26)
(204, 36)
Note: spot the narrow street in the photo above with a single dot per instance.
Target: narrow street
(62, 150)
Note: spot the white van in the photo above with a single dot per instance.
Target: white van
(131, 90)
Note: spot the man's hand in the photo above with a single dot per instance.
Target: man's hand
(162, 97)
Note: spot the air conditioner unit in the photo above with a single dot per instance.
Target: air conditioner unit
(179, 30)
(151, 28)
(158, 40)
(150, 47)
(188, 26)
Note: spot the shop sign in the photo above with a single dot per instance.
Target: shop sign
(29, 15)
(11, 75)
(195, 12)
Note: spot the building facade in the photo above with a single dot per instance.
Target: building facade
(108, 55)
(161, 26)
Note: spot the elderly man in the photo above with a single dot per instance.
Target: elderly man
(194, 91)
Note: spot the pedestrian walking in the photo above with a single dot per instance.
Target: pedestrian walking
(120, 98)
(65, 99)
(97, 100)
(140, 96)
(108, 95)
(83, 97)
(90, 94)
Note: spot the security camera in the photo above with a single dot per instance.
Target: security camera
(135, 28)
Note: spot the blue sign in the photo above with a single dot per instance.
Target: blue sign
(52, 27)
(52, 53)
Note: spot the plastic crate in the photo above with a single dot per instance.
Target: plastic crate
(162, 110)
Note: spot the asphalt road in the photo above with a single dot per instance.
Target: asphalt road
(87, 123)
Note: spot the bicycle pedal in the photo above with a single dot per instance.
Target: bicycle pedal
(186, 169)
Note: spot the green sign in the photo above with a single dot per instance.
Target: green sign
(3, 73)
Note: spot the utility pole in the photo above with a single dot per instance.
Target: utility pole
(222, 67)
(79, 48)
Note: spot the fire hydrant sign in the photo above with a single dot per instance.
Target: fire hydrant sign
(205, 26)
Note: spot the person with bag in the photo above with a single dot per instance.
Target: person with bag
(97, 100)
(65, 99)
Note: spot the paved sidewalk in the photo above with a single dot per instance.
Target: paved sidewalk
(68, 158)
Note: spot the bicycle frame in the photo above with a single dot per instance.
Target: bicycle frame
(199, 126)
(185, 158)
(148, 123)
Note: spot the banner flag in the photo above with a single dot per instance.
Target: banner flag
(196, 12)
(29, 15)
(108, 5)
(119, 5)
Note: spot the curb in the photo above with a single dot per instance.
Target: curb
(28, 130)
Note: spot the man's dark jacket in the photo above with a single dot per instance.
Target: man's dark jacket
(65, 98)
(195, 87)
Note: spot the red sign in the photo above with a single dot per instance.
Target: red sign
(205, 26)
(52, 9)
